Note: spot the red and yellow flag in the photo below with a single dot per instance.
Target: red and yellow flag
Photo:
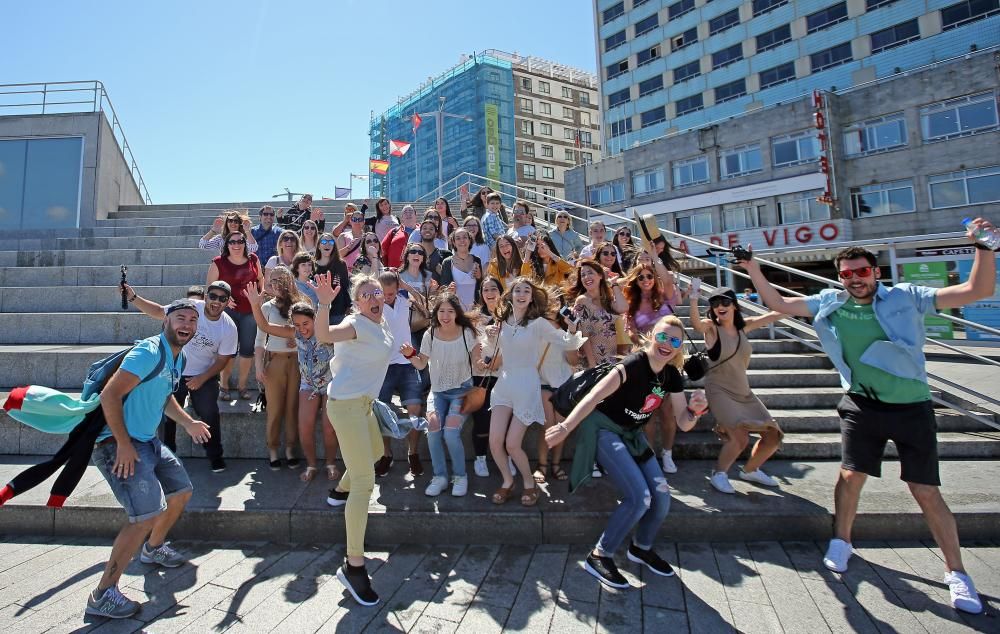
(377, 166)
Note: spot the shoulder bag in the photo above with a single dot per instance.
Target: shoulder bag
(698, 364)
(475, 398)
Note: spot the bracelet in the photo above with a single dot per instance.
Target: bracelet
(981, 247)
(694, 413)
(322, 305)
(132, 299)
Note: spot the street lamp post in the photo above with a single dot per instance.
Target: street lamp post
(439, 116)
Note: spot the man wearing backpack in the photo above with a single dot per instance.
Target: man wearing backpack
(146, 478)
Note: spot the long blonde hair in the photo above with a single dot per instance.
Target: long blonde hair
(648, 340)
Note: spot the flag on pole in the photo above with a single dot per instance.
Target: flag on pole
(360, 177)
(416, 122)
(398, 148)
(341, 192)
(377, 166)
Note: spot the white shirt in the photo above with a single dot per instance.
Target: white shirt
(359, 365)
(398, 318)
(212, 338)
(588, 252)
(270, 343)
(450, 361)
(482, 251)
(521, 232)
(438, 242)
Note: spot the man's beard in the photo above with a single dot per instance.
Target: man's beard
(172, 337)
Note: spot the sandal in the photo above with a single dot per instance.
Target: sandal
(530, 496)
(332, 472)
(308, 474)
(502, 494)
(244, 394)
(559, 473)
(225, 394)
(540, 473)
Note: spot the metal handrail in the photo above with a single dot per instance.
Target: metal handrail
(99, 101)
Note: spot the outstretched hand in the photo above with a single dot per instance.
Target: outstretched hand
(252, 294)
(747, 265)
(976, 224)
(698, 403)
(326, 292)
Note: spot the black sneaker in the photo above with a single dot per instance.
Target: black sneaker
(356, 580)
(382, 466)
(650, 559)
(293, 463)
(337, 498)
(606, 571)
(416, 467)
(218, 465)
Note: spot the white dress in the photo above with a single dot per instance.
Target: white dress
(519, 385)
(465, 286)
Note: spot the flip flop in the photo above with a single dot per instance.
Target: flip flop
(225, 394)
(244, 394)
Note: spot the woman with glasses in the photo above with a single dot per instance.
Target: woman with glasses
(506, 264)
(328, 261)
(350, 239)
(226, 223)
(611, 419)
(567, 241)
(238, 268)
(544, 264)
(479, 247)
(418, 277)
(309, 237)
(384, 221)
(370, 260)
(288, 246)
(440, 242)
(737, 410)
(461, 271)
(607, 257)
(627, 248)
(477, 205)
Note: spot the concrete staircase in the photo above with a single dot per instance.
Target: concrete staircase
(60, 311)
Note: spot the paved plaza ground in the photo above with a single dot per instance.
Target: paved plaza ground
(744, 586)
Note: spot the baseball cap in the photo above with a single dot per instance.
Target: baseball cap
(222, 286)
(723, 291)
(181, 304)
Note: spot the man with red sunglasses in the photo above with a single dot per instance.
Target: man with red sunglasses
(874, 335)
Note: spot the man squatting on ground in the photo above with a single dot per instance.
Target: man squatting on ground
(874, 335)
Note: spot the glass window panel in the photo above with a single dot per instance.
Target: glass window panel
(901, 200)
(984, 189)
(948, 194)
(786, 152)
(12, 154)
(52, 183)
(978, 115)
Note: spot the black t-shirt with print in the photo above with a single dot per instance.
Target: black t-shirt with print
(634, 402)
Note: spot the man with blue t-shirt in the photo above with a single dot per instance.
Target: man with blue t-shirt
(874, 335)
(145, 477)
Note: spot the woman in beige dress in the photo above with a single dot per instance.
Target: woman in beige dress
(736, 408)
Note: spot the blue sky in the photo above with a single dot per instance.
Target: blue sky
(226, 101)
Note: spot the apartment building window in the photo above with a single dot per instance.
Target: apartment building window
(569, 134)
(567, 92)
(652, 117)
(962, 13)
(528, 149)
(741, 216)
(525, 104)
(825, 18)
(875, 135)
(610, 43)
(730, 91)
(646, 25)
(649, 55)
(875, 4)
(545, 129)
(548, 192)
(544, 107)
(740, 161)
(546, 151)
(764, 6)
(584, 99)
(959, 117)
(548, 172)
(612, 12)
(527, 127)
(585, 119)
(585, 138)
(695, 224)
(690, 104)
(774, 38)
(802, 207)
(777, 75)
(967, 187)
(618, 128)
(651, 85)
(606, 193)
(638, 3)
(567, 113)
(647, 181)
(690, 172)
(569, 154)
(685, 39)
(587, 157)
(527, 170)
(678, 9)
(618, 68)
(833, 56)
(793, 149)
(727, 56)
(526, 83)
(895, 36)
(895, 197)
(687, 71)
(720, 23)
(543, 87)
(618, 98)
(531, 193)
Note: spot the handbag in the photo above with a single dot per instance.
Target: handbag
(567, 395)
(475, 398)
(420, 319)
(698, 364)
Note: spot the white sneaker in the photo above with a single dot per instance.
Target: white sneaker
(667, 458)
(437, 485)
(720, 482)
(596, 473)
(963, 593)
(758, 477)
(837, 554)
(510, 465)
(459, 486)
(480, 467)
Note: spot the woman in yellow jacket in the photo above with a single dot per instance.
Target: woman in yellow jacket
(543, 262)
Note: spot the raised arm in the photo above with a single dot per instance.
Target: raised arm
(982, 278)
(752, 323)
(697, 322)
(796, 306)
(278, 330)
(325, 333)
(151, 309)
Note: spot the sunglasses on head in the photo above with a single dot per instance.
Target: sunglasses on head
(327, 241)
(720, 301)
(218, 298)
(847, 274)
(236, 242)
(662, 337)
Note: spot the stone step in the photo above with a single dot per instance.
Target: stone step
(111, 231)
(160, 221)
(164, 240)
(112, 257)
(67, 299)
(249, 502)
(144, 275)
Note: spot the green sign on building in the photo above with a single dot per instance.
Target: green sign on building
(493, 145)
(933, 274)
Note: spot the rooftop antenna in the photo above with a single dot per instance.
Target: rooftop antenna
(289, 194)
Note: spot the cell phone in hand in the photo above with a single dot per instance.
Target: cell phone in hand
(567, 314)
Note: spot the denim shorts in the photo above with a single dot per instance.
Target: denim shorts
(246, 331)
(449, 402)
(402, 379)
(158, 475)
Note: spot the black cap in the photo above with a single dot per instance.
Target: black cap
(222, 286)
(723, 291)
(181, 304)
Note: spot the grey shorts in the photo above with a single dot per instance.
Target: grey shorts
(159, 475)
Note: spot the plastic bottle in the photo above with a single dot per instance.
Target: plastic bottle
(989, 238)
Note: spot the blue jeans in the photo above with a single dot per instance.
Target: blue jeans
(448, 404)
(644, 491)
(158, 475)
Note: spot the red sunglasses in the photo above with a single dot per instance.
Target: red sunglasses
(847, 274)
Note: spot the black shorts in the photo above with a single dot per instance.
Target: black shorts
(866, 425)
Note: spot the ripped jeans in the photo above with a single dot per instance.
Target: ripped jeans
(645, 495)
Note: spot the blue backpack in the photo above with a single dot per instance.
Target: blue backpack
(100, 372)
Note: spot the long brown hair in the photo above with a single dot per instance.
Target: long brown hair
(225, 244)
(515, 258)
(579, 289)
(285, 291)
(634, 294)
(334, 252)
(542, 303)
(461, 317)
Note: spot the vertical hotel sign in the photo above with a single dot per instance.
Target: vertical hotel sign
(493, 145)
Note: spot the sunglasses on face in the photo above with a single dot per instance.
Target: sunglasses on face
(236, 242)
(607, 253)
(645, 276)
(267, 213)
(847, 274)
(415, 252)
(327, 241)
(625, 234)
(357, 218)
(236, 220)
(218, 298)
(288, 239)
(725, 302)
(374, 294)
(662, 337)
(371, 241)
(309, 229)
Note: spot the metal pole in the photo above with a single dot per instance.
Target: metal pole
(439, 121)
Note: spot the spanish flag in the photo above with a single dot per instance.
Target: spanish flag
(377, 166)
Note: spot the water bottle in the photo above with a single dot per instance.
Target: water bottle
(989, 238)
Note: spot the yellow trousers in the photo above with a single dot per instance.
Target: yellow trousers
(360, 446)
